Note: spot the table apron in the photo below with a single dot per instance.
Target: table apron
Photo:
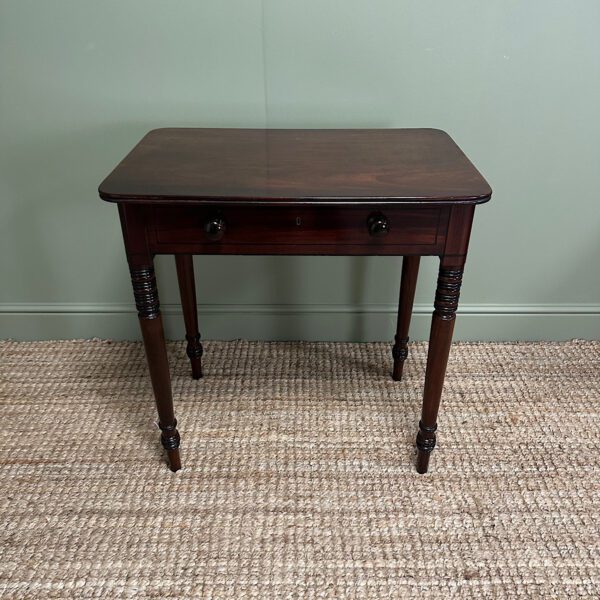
(302, 230)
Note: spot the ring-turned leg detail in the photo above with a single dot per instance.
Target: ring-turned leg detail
(145, 292)
(410, 272)
(399, 354)
(425, 445)
(148, 307)
(447, 293)
(170, 441)
(440, 339)
(194, 349)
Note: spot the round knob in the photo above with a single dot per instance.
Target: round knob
(378, 225)
(215, 229)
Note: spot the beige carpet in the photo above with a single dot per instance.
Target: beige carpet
(298, 478)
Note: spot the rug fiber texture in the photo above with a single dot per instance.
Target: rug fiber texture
(298, 478)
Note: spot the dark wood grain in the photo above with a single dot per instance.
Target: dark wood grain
(146, 300)
(408, 285)
(297, 230)
(440, 338)
(442, 327)
(325, 192)
(295, 166)
(187, 291)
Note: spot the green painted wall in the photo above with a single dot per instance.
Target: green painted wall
(516, 83)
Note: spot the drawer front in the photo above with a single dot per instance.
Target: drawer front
(230, 229)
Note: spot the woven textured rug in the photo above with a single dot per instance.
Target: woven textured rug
(298, 478)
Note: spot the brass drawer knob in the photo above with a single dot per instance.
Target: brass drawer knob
(378, 225)
(215, 229)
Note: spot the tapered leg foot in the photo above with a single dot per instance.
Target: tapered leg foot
(187, 290)
(422, 462)
(440, 339)
(174, 460)
(148, 307)
(410, 272)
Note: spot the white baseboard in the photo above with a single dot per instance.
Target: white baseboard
(336, 322)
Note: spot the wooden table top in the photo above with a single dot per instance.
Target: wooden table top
(281, 166)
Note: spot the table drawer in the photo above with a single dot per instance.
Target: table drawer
(216, 228)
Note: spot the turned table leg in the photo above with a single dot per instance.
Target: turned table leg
(187, 290)
(146, 301)
(410, 272)
(440, 338)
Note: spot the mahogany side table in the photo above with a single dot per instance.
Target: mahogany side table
(401, 192)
